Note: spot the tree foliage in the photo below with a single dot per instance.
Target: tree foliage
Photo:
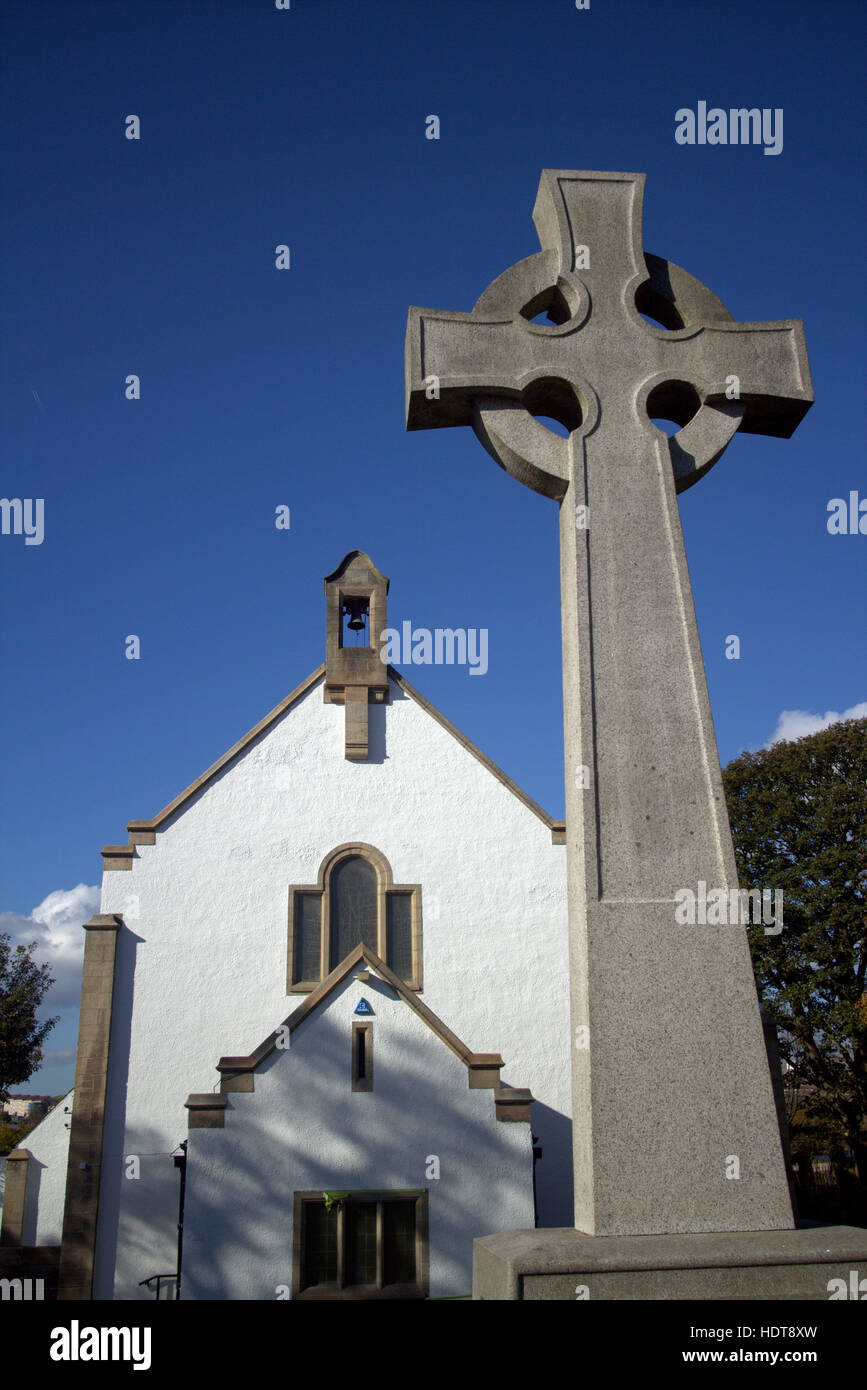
(798, 814)
(23, 985)
(12, 1135)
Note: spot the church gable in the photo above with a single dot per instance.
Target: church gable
(252, 749)
(224, 917)
(354, 677)
(285, 796)
(364, 1093)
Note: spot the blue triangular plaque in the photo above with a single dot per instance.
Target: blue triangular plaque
(362, 1007)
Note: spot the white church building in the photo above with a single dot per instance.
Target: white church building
(324, 1038)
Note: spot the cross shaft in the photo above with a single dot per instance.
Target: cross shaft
(645, 812)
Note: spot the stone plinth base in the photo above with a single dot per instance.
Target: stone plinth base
(567, 1264)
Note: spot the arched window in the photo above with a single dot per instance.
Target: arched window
(354, 907)
(355, 900)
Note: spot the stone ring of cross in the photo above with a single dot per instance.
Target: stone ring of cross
(597, 366)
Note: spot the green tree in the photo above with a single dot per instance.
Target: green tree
(23, 985)
(798, 814)
(12, 1136)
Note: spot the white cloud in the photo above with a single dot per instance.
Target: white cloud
(55, 925)
(797, 723)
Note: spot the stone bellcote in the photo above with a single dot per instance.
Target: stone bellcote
(355, 618)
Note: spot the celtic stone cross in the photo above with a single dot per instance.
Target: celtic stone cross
(674, 1127)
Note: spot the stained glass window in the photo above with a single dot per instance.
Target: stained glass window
(365, 1245)
(320, 1245)
(308, 936)
(400, 935)
(361, 1242)
(353, 907)
(398, 1242)
(354, 902)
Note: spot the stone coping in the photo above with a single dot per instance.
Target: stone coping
(562, 1250)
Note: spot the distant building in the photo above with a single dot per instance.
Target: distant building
(24, 1107)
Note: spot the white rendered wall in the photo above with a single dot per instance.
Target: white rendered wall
(48, 1145)
(304, 1129)
(201, 966)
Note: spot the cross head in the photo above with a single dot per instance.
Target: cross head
(597, 365)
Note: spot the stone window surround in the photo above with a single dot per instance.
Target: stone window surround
(385, 887)
(421, 1288)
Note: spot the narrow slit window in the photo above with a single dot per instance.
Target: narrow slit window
(362, 1056)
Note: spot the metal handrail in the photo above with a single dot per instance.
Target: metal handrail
(151, 1277)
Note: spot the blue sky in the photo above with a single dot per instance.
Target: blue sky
(261, 387)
